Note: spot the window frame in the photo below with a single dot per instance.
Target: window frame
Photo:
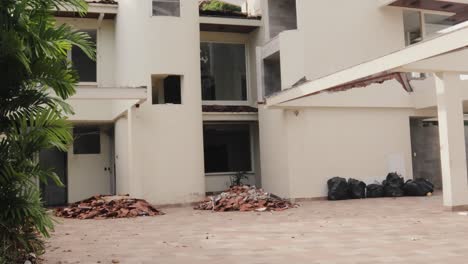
(98, 128)
(70, 58)
(162, 77)
(248, 99)
(252, 149)
(150, 3)
(422, 21)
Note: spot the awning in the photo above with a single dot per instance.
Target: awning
(454, 39)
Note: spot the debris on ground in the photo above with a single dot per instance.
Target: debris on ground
(338, 189)
(357, 189)
(418, 187)
(245, 199)
(106, 206)
(393, 186)
(375, 190)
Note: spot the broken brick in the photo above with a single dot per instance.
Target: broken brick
(244, 199)
(102, 207)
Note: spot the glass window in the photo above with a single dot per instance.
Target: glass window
(223, 70)
(166, 8)
(227, 148)
(87, 140)
(413, 29)
(85, 66)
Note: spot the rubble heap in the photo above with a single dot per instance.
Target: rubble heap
(104, 206)
(244, 199)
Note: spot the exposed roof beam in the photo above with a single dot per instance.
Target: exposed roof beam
(456, 61)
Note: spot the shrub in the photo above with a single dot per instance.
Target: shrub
(216, 5)
(33, 62)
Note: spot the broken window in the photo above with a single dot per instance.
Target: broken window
(272, 74)
(87, 140)
(227, 148)
(166, 89)
(166, 8)
(86, 67)
(223, 70)
(282, 16)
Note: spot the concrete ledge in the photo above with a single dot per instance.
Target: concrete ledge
(458, 208)
(314, 199)
(176, 205)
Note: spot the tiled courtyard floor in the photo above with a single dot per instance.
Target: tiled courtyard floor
(404, 230)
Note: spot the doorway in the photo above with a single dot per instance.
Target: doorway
(52, 194)
(91, 168)
(426, 150)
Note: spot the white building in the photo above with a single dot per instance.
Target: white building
(292, 92)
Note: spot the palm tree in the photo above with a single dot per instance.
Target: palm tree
(35, 79)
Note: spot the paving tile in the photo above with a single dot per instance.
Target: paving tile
(405, 230)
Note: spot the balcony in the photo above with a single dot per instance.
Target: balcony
(227, 18)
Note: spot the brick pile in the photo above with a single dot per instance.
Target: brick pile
(104, 206)
(244, 199)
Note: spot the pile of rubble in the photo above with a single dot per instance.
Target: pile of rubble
(244, 199)
(104, 206)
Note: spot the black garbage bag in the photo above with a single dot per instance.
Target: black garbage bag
(393, 185)
(356, 189)
(337, 189)
(418, 187)
(375, 191)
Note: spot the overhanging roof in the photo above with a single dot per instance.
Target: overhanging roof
(111, 103)
(107, 9)
(440, 45)
(228, 24)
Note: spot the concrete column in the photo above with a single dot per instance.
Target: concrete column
(452, 141)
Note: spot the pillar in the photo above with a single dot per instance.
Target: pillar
(452, 140)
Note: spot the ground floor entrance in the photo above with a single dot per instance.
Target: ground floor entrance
(86, 169)
(425, 147)
(52, 194)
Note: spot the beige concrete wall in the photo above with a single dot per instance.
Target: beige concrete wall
(362, 143)
(166, 140)
(122, 157)
(342, 33)
(91, 110)
(274, 151)
(292, 57)
(301, 149)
